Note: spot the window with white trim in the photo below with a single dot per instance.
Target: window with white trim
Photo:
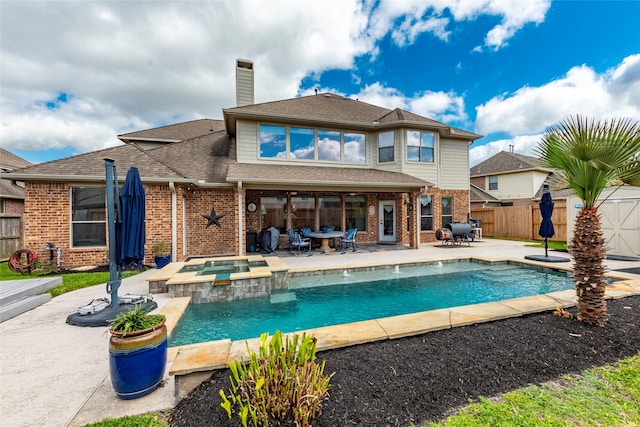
(493, 182)
(273, 141)
(447, 211)
(88, 217)
(420, 146)
(426, 213)
(386, 147)
(302, 144)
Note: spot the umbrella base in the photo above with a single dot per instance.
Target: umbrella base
(546, 258)
(104, 317)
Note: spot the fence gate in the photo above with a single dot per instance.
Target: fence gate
(11, 235)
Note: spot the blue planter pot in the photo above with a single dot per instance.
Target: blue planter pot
(137, 361)
(161, 261)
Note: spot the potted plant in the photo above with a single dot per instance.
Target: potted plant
(161, 253)
(137, 352)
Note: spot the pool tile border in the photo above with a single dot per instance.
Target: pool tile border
(193, 363)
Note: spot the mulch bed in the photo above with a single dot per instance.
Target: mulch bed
(428, 377)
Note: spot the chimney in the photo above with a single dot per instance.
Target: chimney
(244, 82)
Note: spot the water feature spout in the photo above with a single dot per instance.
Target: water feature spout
(346, 274)
(439, 264)
(396, 269)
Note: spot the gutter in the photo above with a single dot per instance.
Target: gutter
(97, 179)
(174, 219)
(241, 245)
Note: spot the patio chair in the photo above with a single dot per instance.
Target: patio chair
(350, 238)
(295, 241)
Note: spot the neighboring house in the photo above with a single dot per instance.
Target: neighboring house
(314, 161)
(510, 179)
(481, 199)
(11, 206)
(11, 191)
(505, 193)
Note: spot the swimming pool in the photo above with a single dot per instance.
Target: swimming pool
(344, 297)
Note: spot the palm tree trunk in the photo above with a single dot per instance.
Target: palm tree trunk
(588, 250)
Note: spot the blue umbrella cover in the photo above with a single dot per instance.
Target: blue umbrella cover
(546, 226)
(132, 221)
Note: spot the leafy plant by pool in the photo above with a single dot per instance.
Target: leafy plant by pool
(282, 382)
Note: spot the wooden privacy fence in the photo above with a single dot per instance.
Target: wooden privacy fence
(520, 222)
(11, 235)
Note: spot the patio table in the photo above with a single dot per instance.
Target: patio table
(324, 247)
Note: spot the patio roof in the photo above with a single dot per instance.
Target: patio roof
(319, 178)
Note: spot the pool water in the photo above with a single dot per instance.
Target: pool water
(354, 296)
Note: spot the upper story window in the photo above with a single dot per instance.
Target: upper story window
(354, 147)
(88, 217)
(283, 142)
(329, 145)
(420, 146)
(273, 141)
(302, 144)
(386, 147)
(493, 182)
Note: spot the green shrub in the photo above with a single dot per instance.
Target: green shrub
(282, 382)
(135, 320)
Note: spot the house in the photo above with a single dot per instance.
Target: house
(508, 179)
(11, 206)
(315, 161)
(505, 192)
(11, 191)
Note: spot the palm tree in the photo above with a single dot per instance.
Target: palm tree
(591, 155)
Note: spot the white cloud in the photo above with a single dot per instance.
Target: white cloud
(515, 15)
(529, 111)
(131, 65)
(581, 91)
(446, 107)
(406, 20)
(523, 144)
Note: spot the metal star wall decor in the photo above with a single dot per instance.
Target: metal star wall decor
(212, 218)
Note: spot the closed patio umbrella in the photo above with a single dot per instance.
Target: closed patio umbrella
(546, 226)
(131, 235)
(546, 230)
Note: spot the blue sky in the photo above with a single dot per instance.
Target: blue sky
(76, 74)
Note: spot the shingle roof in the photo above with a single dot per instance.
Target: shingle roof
(91, 166)
(201, 158)
(315, 176)
(10, 190)
(330, 109)
(504, 162)
(477, 194)
(177, 132)
(9, 161)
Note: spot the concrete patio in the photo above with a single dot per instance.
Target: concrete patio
(54, 374)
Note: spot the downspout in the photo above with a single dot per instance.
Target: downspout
(174, 219)
(241, 250)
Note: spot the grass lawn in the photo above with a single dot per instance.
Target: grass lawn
(70, 282)
(605, 396)
(552, 245)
